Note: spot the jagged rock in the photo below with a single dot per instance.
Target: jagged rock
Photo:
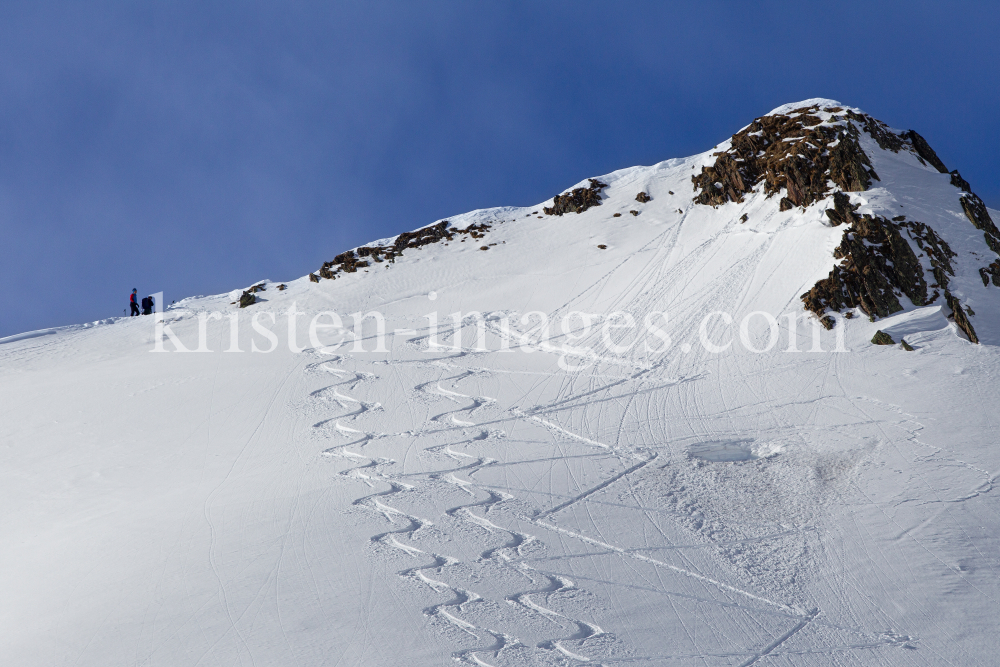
(924, 150)
(961, 319)
(842, 211)
(744, 218)
(800, 153)
(422, 237)
(786, 151)
(642, 198)
(578, 200)
(882, 338)
(352, 260)
(602, 247)
(848, 165)
(785, 204)
(634, 213)
(878, 263)
(313, 277)
(879, 131)
(670, 192)
(980, 218)
(247, 299)
(906, 346)
(959, 182)
(282, 287)
(991, 272)
(937, 250)
(258, 288)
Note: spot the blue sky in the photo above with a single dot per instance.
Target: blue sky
(195, 147)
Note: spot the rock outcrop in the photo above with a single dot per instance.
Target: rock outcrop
(577, 200)
(247, 299)
(882, 338)
(360, 258)
(842, 211)
(799, 152)
(879, 266)
(924, 151)
(806, 152)
(961, 317)
(979, 216)
(991, 272)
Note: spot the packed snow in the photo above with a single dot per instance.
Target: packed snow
(652, 477)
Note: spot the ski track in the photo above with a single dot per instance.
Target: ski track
(568, 635)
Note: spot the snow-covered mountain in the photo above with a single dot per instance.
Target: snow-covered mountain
(642, 423)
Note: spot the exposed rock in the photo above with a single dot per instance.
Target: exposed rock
(959, 182)
(906, 346)
(617, 215)
(485, 248)
(422, 237)
(744, 218)
(842, 211)
(642, 198)
(991, 272)
(849, 165)
(282, 287)
(802, 153)
(634, 213)
(360, 258)
(313, 277)
(795, 152)
(886, 139)
(878, 266)
(923, 149)
(602, 247)
(961, 319)
(980, 218)
(882, 338)
(247, 299)
(258, 288)
(785, 204)
(578, 200)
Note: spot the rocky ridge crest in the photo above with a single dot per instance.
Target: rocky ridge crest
(814, 151)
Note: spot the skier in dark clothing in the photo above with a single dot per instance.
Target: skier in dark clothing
(135, 306)
(147, 305)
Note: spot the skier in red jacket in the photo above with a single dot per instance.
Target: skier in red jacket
(135, 306)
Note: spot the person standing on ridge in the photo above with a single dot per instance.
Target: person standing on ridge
(135, 306)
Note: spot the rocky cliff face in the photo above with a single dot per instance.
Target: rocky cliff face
(813, 156)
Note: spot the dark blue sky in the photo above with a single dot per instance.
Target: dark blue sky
(194, 147)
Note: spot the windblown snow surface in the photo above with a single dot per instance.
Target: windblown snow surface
(540, 497)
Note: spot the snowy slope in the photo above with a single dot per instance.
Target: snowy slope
(540, 497)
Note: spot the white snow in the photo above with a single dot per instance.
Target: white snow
(426, 504)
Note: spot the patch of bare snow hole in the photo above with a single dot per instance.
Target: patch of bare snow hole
(719, 451)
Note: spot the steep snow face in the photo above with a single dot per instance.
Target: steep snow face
(635, 447)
